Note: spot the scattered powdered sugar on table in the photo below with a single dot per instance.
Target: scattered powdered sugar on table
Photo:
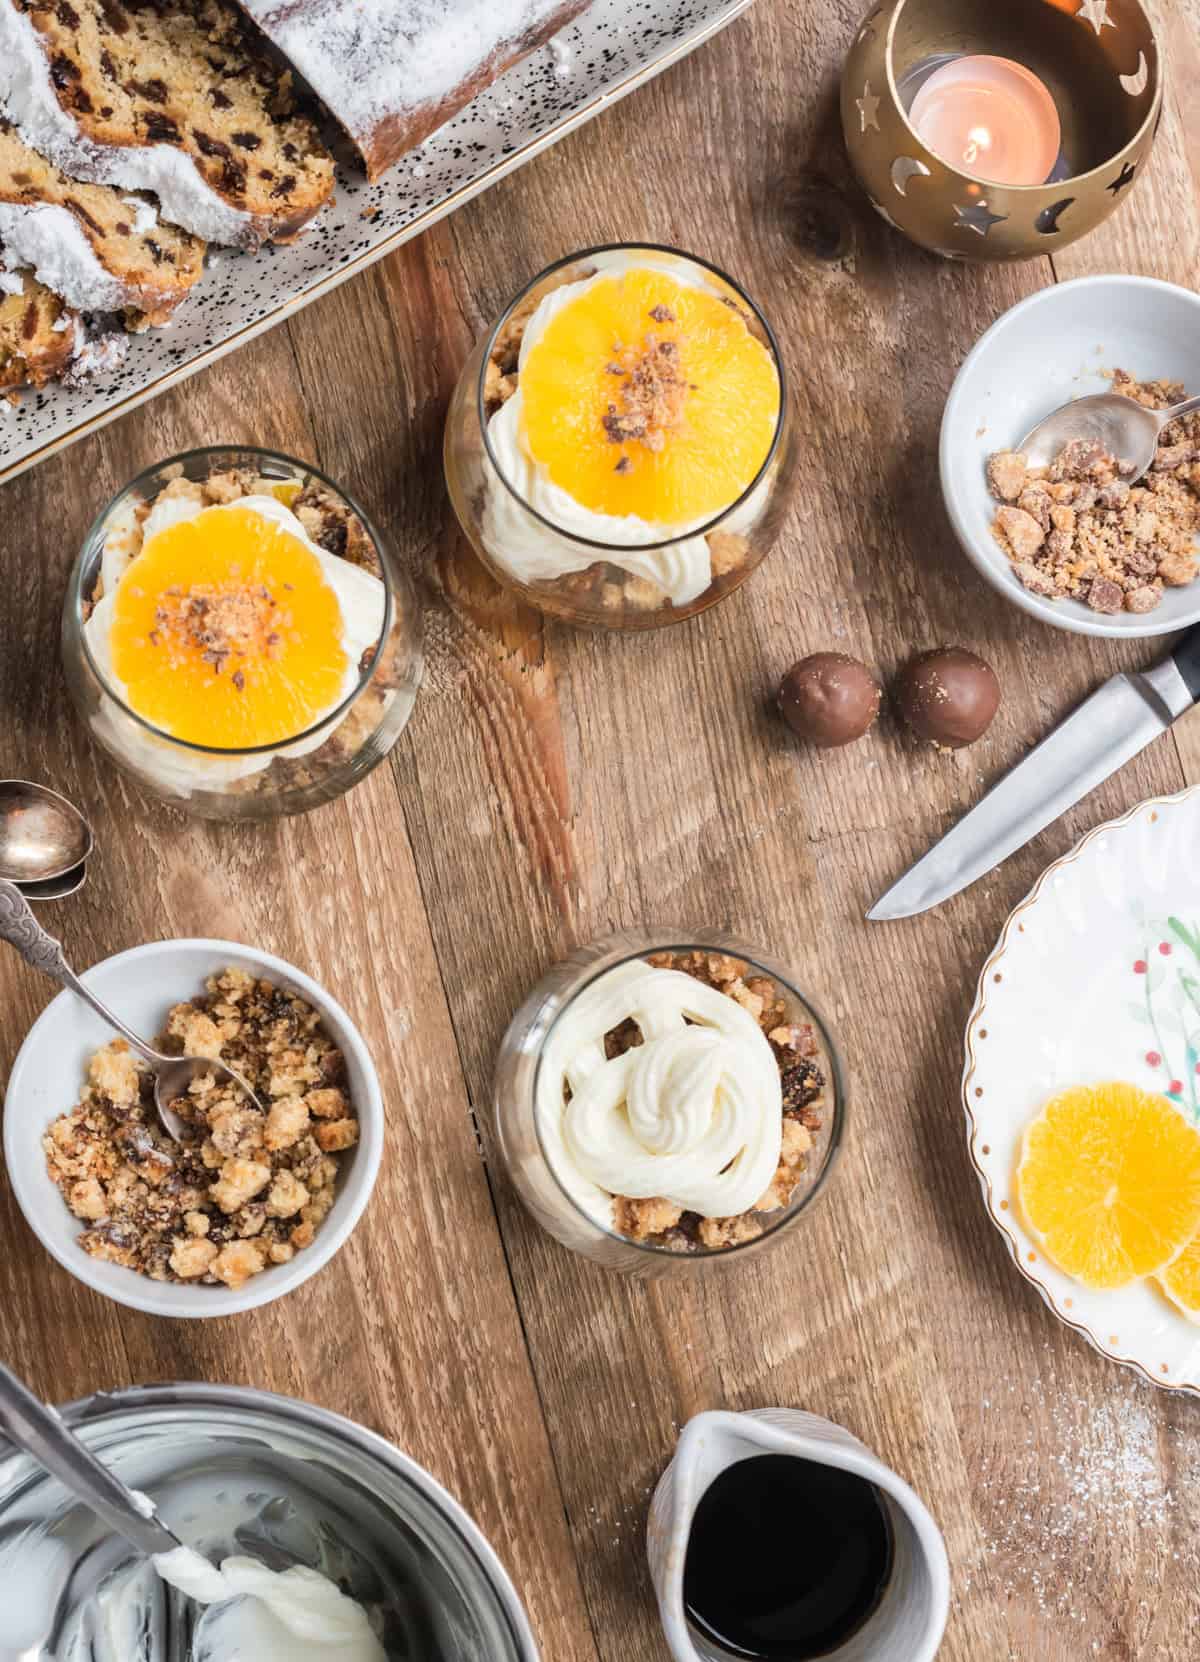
(1073, 1488)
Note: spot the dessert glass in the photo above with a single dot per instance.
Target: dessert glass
(519, 1135)
(492, 511)
(264, 781)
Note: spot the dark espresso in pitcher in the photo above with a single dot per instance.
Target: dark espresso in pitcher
(786, 1558)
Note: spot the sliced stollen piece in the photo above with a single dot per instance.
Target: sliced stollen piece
(178, 97)
(392, 72)
(96, 249)
(38, 332)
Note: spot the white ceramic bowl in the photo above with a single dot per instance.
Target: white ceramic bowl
(140, 985)
(1052, 347)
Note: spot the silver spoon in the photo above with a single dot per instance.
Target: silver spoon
(172, 1074)
(1127, 430)
(56, 888)
(42, 835)
(42, 1432)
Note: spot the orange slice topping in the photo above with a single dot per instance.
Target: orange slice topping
(1109, 1181)
(646, 396)
(225, 632)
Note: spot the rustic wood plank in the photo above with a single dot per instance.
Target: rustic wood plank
(413, 1328)
(559, 784)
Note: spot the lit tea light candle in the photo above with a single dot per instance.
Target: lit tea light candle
(991, 117)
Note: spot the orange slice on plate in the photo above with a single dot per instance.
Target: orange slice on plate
(1109, 1182)
(1181, 1281)
(226, 633)
(647, 396)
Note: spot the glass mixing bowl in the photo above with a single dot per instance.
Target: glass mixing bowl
(614, 585)
(265, 781)
(239, 1470)
(525, 1149)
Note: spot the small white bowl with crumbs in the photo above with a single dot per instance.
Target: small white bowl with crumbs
(1111, 564)
(255, 1202)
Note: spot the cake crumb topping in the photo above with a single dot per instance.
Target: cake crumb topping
(650, 401)
(220, 621)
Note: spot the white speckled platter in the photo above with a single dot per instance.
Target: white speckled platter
(614, 47)
(1096, 976)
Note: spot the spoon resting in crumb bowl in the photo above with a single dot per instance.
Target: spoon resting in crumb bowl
(172, 1074)
(1125, 429)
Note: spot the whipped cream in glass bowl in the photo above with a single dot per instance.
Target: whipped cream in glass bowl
(664, 1100)
(238, 636)
(618, 445)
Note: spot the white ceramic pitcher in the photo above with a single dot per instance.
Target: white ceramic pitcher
(911, 1617)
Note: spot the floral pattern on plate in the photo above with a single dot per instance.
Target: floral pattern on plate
(1096, 975)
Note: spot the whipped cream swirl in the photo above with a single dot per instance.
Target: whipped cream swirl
(693, 1114)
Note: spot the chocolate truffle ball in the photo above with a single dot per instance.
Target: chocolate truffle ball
(829, 699)
(948, 696)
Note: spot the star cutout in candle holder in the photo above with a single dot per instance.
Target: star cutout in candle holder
(1123, 178)
(1095, 12)
(868, 108)
(976, 218)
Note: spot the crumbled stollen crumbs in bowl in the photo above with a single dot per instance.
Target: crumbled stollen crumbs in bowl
(252, 1189)
(1076, 530)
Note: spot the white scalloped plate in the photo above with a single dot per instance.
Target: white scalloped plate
(1087, 983)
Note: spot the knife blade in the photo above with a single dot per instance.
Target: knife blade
(1106, 731)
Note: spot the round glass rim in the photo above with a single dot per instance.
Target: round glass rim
(837, 1083)
(1077, 179)
(128, 1406)
(708, 525)
(327, 721)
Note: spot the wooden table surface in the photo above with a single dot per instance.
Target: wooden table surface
(553, 785)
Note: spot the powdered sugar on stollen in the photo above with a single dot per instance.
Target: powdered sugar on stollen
(375, 64)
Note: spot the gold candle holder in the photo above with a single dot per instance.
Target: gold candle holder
(1100, 60)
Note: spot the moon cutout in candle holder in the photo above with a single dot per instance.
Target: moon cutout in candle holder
(1095, 12)
(977, 218)
(1047, 221)
(1136, 83)
(1123, 178)
(905, 168)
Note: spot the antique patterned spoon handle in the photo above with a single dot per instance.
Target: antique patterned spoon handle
(41, 951)
(21, 929)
